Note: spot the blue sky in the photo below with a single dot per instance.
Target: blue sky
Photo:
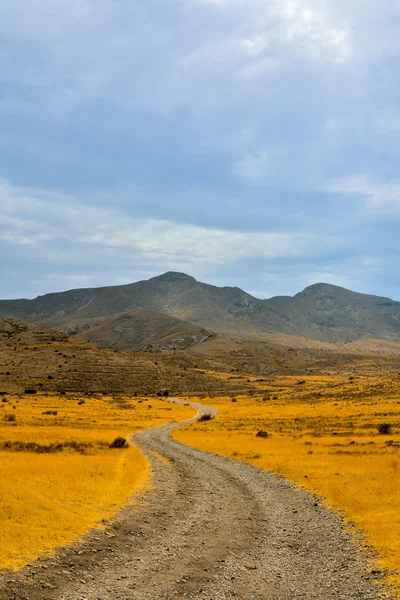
(245, 142)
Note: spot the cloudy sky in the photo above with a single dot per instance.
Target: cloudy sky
(245, 142)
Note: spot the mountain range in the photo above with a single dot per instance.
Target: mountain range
(174, 310)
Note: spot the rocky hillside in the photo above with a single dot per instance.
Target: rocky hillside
(36, 358)
(146, 330)
(321, 312)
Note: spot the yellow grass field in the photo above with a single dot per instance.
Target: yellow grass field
(322, 434)
(52, 498)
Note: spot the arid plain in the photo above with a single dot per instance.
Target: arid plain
(322, 417)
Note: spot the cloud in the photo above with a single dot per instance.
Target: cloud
(378, 195)
(219, 137)
(38, 219)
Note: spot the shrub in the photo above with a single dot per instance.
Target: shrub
(166, 393)
(119, 442)
(30, 391)
(262, 434)
(205, 417)
(384, 428)
(10, 417)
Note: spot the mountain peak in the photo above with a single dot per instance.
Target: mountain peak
(173, 277)
(321, 289)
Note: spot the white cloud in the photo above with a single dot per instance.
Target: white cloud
(377, 194)
(60, 227)
(69, 53)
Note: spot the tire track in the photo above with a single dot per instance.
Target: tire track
(210, 528)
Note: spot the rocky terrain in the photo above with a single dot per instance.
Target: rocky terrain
(145, 330)
(210, 528)
(43, 359)
(321, 312)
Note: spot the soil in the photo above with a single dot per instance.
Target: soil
(209, 528)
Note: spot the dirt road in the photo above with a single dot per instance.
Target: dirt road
(210, 528)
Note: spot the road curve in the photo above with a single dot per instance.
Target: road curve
(210, 528)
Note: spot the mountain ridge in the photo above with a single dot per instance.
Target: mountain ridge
(321, 311)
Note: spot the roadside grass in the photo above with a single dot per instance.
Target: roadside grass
(322, 435)
(50, 498)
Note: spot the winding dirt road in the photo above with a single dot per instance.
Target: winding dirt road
(210, 528)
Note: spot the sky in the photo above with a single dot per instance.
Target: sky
(252, 143)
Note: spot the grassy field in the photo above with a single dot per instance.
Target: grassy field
(58, 475)
(322, 433)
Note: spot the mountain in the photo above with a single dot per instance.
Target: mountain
(320, 312)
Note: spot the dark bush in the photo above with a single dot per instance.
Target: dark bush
(119, 442)
(384, 428)
(262, 434)
(166, 393)
(205, 417)
(50, 377)
(10, 417)
(30, 391)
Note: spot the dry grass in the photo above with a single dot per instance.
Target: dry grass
(323, 436)
(50, 499)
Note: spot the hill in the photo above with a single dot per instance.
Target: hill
(145, 329)
(33, 357)
(321, 312)
(14, 333)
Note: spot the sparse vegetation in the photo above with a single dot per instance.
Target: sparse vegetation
(64, 467)
(350, 462)
(10, 417)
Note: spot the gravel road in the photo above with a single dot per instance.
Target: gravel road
(210, 528)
